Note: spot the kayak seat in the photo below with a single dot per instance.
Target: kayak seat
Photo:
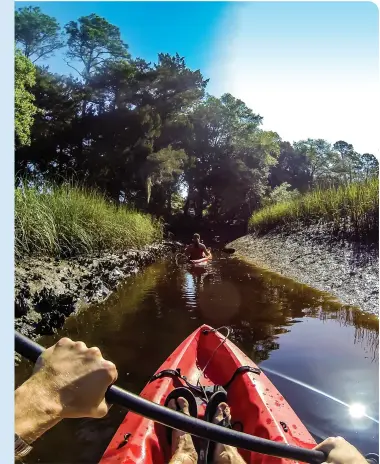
(197, 395)
(198, 389)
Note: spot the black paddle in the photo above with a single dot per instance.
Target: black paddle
(31, 350)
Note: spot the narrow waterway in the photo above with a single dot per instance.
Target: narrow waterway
(322, 356)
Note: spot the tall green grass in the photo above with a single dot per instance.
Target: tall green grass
(351, 211)
(69, 220)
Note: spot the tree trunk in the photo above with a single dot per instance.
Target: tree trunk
(186, 207)
(199, 205)
(189, 198)
(148, 189)
(84, 107)
(169, 200)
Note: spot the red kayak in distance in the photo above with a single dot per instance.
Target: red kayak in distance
(196, 262)
(257, 407)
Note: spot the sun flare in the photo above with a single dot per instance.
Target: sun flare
(357, 410)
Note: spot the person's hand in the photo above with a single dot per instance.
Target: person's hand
(77, 378)
(339, 451)
(69, 381)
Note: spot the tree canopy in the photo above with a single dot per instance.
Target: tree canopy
(149, 135)
(25, 75)
(37, 34)
(93, 41)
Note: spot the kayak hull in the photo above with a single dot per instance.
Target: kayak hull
(253, 399)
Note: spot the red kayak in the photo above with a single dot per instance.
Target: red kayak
(196, 262)
(257, 408)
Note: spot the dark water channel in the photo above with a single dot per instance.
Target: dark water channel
(330, 351)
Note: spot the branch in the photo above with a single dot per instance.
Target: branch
(97, 63)
(105, 52)
(72, 67)
(46, 52)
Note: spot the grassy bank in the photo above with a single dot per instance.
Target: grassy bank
(351, 211)
(68, 221)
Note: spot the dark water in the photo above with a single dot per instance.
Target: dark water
(330, 351)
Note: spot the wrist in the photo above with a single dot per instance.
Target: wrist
(36, 409)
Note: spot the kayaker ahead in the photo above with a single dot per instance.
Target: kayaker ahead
(196, 249)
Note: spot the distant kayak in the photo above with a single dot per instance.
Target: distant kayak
(207, 362)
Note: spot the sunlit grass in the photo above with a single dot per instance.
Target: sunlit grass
(351, 211)
(69, 220)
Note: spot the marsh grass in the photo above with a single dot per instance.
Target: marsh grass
(69, 220)
(351, 212)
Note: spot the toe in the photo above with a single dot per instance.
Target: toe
(222, 411)
(180, 403)
(184, 405)
(172, 405)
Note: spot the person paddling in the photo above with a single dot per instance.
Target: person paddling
(70, 381)
(197, 250)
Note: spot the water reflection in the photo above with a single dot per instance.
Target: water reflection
(321, 355)
(357, 411)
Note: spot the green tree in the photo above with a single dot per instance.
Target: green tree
(281, 193)
(370, 165)
(321, 160)
(164, 169)
(144, 111)
(292, 167)
(175, 88)
(348, 163)
(24, 100)
(229, 158)
(56, 132)
(93, 42)
(37, 34)
(114, 85)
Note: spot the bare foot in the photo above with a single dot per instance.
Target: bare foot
(225, 454)
(182, 444)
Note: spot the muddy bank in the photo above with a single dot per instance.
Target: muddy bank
(348, 272)
(48, 290)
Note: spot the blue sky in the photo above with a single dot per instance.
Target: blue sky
(311, 69)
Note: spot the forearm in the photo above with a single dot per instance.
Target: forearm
(70, 381)
(35, 411)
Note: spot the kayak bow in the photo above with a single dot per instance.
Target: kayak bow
(201, 261)
(206, 355)
(31, 350)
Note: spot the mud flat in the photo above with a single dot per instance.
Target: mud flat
(346, 270)
(48, 290)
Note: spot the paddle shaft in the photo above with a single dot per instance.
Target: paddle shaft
(176, 420)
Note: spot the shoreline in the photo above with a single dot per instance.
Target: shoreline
(48, 290)
(346, 271)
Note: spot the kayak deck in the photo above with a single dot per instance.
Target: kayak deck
(254, 402)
